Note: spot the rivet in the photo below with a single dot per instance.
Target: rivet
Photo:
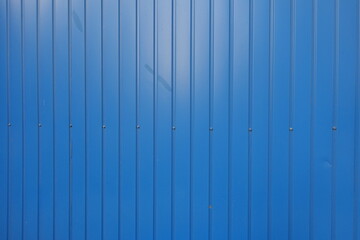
(174, 128)
(291, 129)
(250, 129)
(39, 125)
(103, 126)
(334, 128)
(9, 124)
(138, 126)
(211, 129)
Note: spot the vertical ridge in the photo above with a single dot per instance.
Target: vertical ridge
(155, 108)
(334, 121)
(313, 85)
(270, 115)
(22, 120)
(211, 93)
(86, 140)
(137, 116)
(250, 118)
(70, 113)
(356, 155)
(291, 114)
(230, 109)
(8, 115)
(119, 125)
(53, 114)
(102, 117)
(192, 107)
(173, 116)
(38, 116)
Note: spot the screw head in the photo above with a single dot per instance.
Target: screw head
(334, 128)
(70, 125)
(250, 129)
(138, 126)
(210, 206)
(103, 126)
(40, 125)
(211, 129)
(173, 128)
(291, 129)
(9, 124)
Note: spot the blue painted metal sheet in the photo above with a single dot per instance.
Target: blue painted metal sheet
(169, 119)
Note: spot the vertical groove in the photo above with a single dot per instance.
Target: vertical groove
(230, 115)
(70, 113)
(250, 118)
(291, 115)
(119, 124)
(137, 115)
(313, 86)
(53, 112)
(22, 121)
(334, 121)
(86, 140)
(192, 107)
(8, 116)
(270, 113)
(211, 105)
(356, 140)
(38, 117)
(155, 108)
(173, 113)
(102, 116)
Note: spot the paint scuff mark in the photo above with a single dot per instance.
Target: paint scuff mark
(77, 21)
(162, 81)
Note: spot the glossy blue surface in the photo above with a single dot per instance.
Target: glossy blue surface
(171, 119)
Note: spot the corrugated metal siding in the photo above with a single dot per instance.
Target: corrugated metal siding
(172, 119)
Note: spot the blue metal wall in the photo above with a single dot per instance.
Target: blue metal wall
(179, 119)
